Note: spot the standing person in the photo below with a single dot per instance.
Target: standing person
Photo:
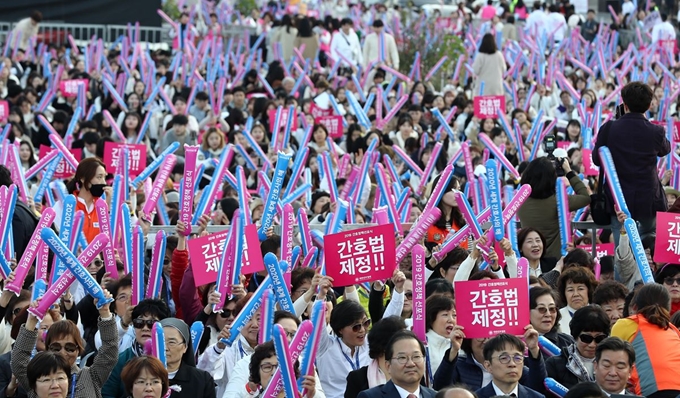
(663, 30)
(557, 24)
(488, 11)
(635, 143)
(489, 66)
(285, 35)
(26, 30)
(405, 363)
(307, 37)
(372, 47)
(536, 21)
(590, 26)
(346, 43)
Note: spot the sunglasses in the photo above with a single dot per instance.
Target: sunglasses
(670, 281)
(408, 295)
(543, 310)
(140, 323)
(69, 347)
(227, 313)
(587, 339)
(365, 325)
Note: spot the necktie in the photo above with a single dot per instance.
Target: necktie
(513, 395)
(412, 396)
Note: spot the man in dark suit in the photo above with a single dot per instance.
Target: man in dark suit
(504, 359)
(614, 359)
(635, 143)
(405, 360)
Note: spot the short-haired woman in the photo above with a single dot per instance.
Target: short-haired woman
(145, 377)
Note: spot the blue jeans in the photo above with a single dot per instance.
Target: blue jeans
(645, 227)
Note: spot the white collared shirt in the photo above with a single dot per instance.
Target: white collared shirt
(499, 392)
(334, 362)
(404, 394)
(623, 392)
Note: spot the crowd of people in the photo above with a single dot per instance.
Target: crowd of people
(317, 112)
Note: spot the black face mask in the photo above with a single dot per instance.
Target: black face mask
(97, 190)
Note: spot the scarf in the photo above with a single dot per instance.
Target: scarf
(137, 349)
(375, 375)
(576, 366)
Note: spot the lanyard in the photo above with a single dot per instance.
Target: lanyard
(241, 350)
(355, 366)
(428, 364)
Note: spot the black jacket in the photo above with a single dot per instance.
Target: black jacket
(24, 223)
(6, 377)
(635, 143)
(557, 369)
(193, 383)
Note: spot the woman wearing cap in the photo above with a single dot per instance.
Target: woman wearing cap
(656, 342)
(186, 381)
(540, 209)
(589, 326)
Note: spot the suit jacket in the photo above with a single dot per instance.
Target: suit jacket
(522, 392)
(635, 143)
(388, 390)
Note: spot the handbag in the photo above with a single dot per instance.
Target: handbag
(599, 210)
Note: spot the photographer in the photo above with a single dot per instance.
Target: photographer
(635, 143)
(540, 209)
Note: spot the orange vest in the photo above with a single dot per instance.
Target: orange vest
(657, 358)
(90, 221)
(438, 235)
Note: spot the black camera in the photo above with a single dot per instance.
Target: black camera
(549, 146)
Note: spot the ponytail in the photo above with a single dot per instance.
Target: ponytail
(656, 315)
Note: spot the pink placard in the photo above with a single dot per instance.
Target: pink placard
(317, 112)
(64, 170)
(487, 106)
(137, 160)
(676, 128)
(69, 88)
(564, 144)
(284, 119)
(667, 246)
(4, 111)
(206, 253)
(360, 255)
(252, 255)
(490, 307)
(601, 249)
(333, 125)
(671, 45)
(589, 167)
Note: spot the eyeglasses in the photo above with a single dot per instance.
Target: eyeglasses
(365, 325)
(670, 281)
(173, 343)
(408, 295)
(268, 367)
(139, 323)
(227, 313)
(543, 310)
(506, 358)
(49, 380)
(403, 359)
(97, 263)
(587, 338)
(166, 261)
(144, 383)
(69, 347)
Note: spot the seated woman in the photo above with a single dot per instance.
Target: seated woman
(655, 340)
(145, 377)
(375, 373)
(48, 374)
(545, 317)
(64, 337)
(186, 381)
(576, 287)
(589, 326)
(463, 363)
